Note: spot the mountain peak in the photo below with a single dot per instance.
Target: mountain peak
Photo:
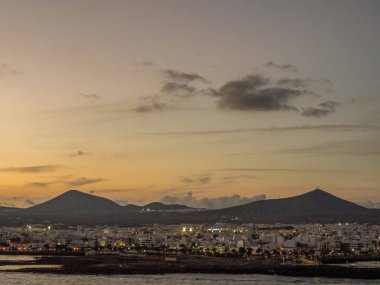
(76, 193)
(318, 191)
(75, 202)
(72, 192)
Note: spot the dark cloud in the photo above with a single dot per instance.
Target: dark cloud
(184, 77)
(90, 96)
(211, 203)
(287, 67)
(323, 109)
(80, 153)
(31, 169)
(83, 181)
(255, 93)
(315, 112)
(181, 89)
(329, 104)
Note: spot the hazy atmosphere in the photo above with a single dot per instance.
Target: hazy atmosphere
(205, 103)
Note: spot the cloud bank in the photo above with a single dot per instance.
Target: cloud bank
(370, 204)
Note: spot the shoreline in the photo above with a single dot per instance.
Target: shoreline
(153, 265)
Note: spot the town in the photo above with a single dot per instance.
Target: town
(307, 243)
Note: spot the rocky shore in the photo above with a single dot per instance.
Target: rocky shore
(185, 264)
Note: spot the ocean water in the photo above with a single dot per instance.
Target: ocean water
(11, 278)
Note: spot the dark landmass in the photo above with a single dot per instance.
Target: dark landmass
(110, 264)
(8, 209)
(77, 208)
(157, 206)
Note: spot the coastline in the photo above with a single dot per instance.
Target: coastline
(149, 265)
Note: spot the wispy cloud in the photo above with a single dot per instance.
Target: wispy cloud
(30, 202)
(80, 153)
(68, 181)
(148, 62)
(177, 86)
(152, 104)
(282, 170)
(90, 96)
(197, 180)
(180, 89)
(286, 67)
(31, 169)
(40, 184)
(7, 204)
(7, 70)
(81, 181)
(342, 127)
(357, 147)
(293, 82)
(323, 109)
(183, 76)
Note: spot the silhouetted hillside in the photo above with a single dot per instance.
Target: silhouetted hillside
(317, 202)
(74, 202)
(157, 206)
(8, 209)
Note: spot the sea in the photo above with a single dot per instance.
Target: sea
(16, 278)
(10, 278)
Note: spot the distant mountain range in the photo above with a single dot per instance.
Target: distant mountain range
(74, 207)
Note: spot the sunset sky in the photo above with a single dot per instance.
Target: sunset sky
(142, 101)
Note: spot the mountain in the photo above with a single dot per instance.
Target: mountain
(132, 208)
(312, 206)
(74, 202)
(157, 206)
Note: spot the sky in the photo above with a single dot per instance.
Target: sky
(178, 101)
